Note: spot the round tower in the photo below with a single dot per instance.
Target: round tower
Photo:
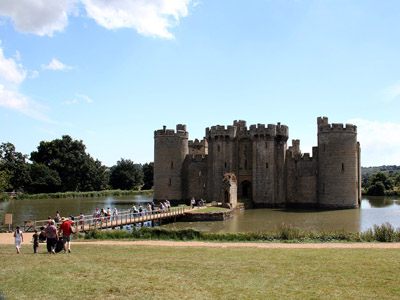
(338, 165)
(170, 150)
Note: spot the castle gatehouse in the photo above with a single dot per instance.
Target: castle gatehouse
(266, 171)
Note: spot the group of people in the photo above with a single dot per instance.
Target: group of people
(103, 214)
(50, 234)
(200, 203)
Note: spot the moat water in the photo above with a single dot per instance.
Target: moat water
(374, 210)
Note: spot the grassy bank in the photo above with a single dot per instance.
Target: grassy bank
(382, 233)
(104, 193)
(146, 272)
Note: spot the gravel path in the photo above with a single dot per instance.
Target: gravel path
(8, 239)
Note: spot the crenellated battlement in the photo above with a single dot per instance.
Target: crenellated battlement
(198, 147)
(337, 127)
(221, 131)
(271, 130)
(180, 132)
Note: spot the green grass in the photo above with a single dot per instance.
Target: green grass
(104, 193)
(209, 209)
(147, 272)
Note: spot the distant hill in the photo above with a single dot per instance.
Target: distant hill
(390, 171)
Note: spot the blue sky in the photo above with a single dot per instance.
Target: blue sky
(111, 72)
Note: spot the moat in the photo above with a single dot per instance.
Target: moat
(374, 210)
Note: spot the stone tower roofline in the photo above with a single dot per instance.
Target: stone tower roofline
(255, 130)
(197, 143)
(180, 131)
(325, 127)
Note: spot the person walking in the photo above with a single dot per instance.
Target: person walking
(66, 230)
(52, 237)
(18, 238)
(115, 214)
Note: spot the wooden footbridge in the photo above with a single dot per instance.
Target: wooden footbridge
(124, 218)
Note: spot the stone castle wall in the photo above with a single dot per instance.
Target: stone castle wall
(267, 172)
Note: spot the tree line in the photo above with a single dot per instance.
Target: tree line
(62, 165)
(380, 181)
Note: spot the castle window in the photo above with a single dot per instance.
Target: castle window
(204, 185)
(199, 173)
(245, 164)
(266, 145)
(170, 181)
(266, 165)
(342, 167)
(219, 148)
(172, 164)
(324, 147)
(225, 165)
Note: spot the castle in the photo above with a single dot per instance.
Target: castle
(236, 162)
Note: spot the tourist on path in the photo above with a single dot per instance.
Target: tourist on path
(35, 238)
(192, 203)
(66, 230)
(18, 237)
(52, 238)
(57, 217)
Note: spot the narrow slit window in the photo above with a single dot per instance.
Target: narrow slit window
(172, 164)
(170, 181)
(219, 148)
(266, 165)
(245, 164)
(199, 173)
(225, 165)
(342, 167)
(204, 185)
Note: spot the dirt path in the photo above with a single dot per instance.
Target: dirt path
(8, 239)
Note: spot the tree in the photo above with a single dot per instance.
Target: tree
(148, 175)
(5, 177)
(15, 163)
(376, 189)
(381, 177)
(76, 169)
(397, 180)
(44, 179)
(125, 175)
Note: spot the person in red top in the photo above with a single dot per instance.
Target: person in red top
(66, 230)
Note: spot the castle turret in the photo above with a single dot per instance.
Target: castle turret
(338, 165)
(170, 150)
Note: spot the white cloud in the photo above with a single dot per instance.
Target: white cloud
(75, 100)
(11, 76)
(56, 65)
(41, 17)
(84, 97)
(393, 92)
(33, 74)
(10, 71)
(380, 142)
(147, 17)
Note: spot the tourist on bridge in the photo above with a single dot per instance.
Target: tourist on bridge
(66, 230)
(161, 207)
(18, 238)
(52, 237)
(81, 220)
(168, 204)
(115, 214)
(108, 213)
(149, 208)
(140, 210)
(153, 206)
(96, 216)
(134, 209)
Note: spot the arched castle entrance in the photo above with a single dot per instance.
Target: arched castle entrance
(246, 189)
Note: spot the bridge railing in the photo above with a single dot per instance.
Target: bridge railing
(125, 217)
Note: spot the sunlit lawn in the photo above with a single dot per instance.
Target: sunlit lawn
(148, 272)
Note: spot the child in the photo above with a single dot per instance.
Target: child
(18, 238)
(35, 238)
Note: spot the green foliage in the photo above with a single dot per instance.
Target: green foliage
(285, 233)
(14, 163)
(5, 178)
(126, 175)
(148, 175)
(104, 193)
(44, 179)
(376, 189)
(75, 168)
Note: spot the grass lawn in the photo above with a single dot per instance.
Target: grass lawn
(209, 209)
(147, 272)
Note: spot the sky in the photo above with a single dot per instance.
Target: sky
(111, 72)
